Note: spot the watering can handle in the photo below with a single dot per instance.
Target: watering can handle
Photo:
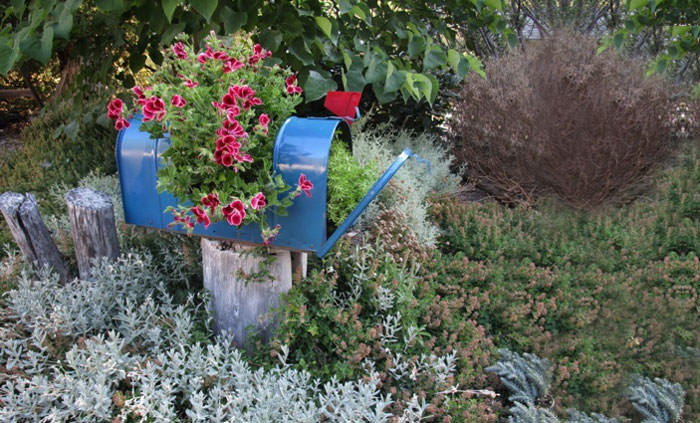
(362, 205)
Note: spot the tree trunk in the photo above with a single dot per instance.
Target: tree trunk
(244, 289)
(29, 231)
(92, 227)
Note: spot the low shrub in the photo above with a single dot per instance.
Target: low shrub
(372, 308)
(601, 295)
(556, 118)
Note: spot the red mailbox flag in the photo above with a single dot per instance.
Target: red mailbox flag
(343, 104)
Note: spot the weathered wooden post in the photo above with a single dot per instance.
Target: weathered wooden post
(29, 231)
(236, 301)
(93, 227)
(299, 263)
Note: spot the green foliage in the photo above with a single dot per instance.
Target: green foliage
(526, 376)
(601, 295)
(671, 28)
(659, 401)
(394, 47)
(372, 307)
(54, 148)
(348, 181)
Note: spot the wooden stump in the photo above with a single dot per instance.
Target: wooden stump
(92, 227)
(29, 231)
(237, 302)
(299, 263)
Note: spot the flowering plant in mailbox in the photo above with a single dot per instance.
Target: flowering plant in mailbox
(221, 108)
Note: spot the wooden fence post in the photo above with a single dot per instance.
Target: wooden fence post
(92, 227)
(237, 302)
(29, 231)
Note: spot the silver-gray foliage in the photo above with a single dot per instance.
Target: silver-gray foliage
(526, 376)
(413, 183)
(576, 416)
(528, 413)
(119, 348)
(658, 401)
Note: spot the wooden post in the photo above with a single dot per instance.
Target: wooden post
(299, 263)
(92, 227)
(238, 303)
(29, 231)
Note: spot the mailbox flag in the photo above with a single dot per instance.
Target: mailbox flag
(343, 104)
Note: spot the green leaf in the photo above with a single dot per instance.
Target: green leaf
(679, 30)
(475, 65)
(316, 86)
(205, 8)
(18, 7)
(39, 50)
(271, 40)
(8, 56)
(416, 45)
(72, 129)
(110, 5)
(353, 80)
(494, 4)
(453, 59)
(618, 39)
(512, 39)
(382, 96)
(662, 64)
(64, 22)
(325, 25)
(424, 86)
(357, 11)
(171, 32)
(169, 7)
(233, 21)
(394, 80)
(637, 4)
(345, 6)
(299, 50)
(434, 57)
(376, 71)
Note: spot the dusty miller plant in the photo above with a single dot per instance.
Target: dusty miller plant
(119, 348)
(576, 416)
(528, 413)
(658, 401)
(526, 376)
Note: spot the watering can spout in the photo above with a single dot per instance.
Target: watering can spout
(362, 205)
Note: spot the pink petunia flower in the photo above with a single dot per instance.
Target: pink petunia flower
(202, 58)
(201, 216)
(154, 108)
(191, 84)
(120, 124)
(258, 201)
(305, 185)
(179, 50)
(178, 101)
(211, 201)
(234, 212)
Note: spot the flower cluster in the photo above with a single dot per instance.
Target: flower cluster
(114, 112)
(219, 106)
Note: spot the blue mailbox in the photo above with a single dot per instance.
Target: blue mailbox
(302, 145)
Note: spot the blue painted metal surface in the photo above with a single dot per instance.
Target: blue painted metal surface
(302, 145)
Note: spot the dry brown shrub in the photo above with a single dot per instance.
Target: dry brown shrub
(558, 119)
